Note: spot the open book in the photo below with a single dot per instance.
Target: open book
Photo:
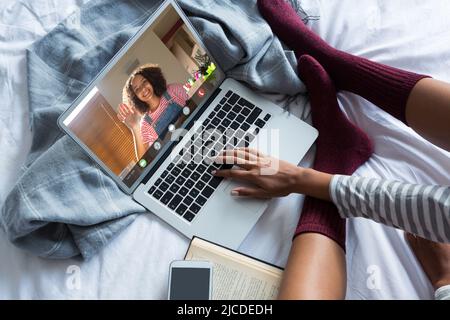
(235, 275)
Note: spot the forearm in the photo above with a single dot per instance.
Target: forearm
(139, 144)
(421, 210)
(313, 183)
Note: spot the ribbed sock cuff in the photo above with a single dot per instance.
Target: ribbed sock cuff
(385, 86)
(322, 217)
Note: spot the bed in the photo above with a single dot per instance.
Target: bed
(407, 34)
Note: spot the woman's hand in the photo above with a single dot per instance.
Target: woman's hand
(271, 177)
(130, 116)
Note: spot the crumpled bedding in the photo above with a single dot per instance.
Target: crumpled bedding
(43, 213)
(413, 36)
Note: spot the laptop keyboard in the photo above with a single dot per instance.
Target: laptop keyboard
(187, 183)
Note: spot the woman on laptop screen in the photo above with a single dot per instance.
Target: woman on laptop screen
(150, 106)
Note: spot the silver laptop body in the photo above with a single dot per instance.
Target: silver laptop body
(177, 184)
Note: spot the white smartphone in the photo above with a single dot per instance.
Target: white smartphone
(190, 280)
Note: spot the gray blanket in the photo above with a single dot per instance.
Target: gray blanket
(63, 205)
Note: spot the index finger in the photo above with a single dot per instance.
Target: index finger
(252, 151)
(237, 174)
(238, 154)
(246, 164)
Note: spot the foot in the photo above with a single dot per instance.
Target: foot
(288, 26)
(433, 257)
(342, 146)
(341, 149)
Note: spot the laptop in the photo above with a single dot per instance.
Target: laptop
(158, 114)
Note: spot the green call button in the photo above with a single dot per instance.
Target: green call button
(143, 163)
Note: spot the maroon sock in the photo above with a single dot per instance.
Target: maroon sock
(341, 149)
(385, 86)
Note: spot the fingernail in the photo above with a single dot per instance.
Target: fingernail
(213, 172)
(234, 193)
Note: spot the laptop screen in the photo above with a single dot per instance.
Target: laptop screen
(129, 115)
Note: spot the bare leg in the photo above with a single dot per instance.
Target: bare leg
(434, 259)
(315, 269)
(428, 111)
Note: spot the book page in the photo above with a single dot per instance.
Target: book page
(233, 279)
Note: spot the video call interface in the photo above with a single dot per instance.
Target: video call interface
(130, 115)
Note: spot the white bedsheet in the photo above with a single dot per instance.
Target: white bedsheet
(405, 33)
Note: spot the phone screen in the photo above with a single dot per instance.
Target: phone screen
(190, 284)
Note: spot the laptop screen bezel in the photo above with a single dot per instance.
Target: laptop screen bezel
(166, 150)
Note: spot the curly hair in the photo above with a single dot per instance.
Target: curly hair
(153, 74)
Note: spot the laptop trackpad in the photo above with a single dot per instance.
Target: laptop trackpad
(246, 202)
